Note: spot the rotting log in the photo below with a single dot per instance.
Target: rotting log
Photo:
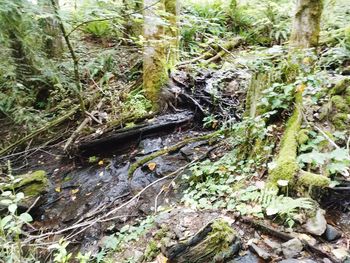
(121, 139)
(216, 242)
(167, 150)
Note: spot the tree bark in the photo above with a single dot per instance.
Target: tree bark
(306, 23)
(53, 42)
(160, 51)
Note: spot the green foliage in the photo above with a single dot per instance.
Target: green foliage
(11, 224)
(127, 234)
(98, 29)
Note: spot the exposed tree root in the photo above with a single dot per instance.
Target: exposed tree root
(174, 148)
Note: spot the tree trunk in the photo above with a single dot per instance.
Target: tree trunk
(53, 42)
(160, 47)
(306, 24)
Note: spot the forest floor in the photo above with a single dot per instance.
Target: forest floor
(122, 191)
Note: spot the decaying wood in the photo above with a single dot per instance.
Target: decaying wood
(125, 137)
(285, 237)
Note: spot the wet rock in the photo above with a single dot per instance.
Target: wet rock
(292, 248)
(150, 145)
(260, 251)
(340, 253)
(276, 247)
(249, 257)
(316, 225)
(331, 233)
(292, 260)
(217, 241)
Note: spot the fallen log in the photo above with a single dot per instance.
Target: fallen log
(121, 139)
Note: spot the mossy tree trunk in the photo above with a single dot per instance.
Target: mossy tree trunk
(53, 42)
(306, 23)
(160, 51)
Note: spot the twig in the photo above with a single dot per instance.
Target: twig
(33, 204)
(40, 130)
(79, 129)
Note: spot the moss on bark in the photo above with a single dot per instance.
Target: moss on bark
(160, 51)
(31, 184)
(311, 179)
(286, 165)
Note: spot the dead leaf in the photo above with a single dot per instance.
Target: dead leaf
(161, 258)
(74, 191)
(152, 166)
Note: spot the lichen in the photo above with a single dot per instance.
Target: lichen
(286, 165)
(312, 179)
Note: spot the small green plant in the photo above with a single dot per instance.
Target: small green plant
(60, 252)
(11, 223)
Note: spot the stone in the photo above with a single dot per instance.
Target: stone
(276, 247)
(340, 253)
(316, 225)
(292, 248)
(260, 251)
(310, 240)
(331, 233)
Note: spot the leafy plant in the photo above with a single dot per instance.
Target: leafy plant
(11, 224)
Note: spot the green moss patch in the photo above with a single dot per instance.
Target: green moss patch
(31, 184)
(286, 165)
(311, 179)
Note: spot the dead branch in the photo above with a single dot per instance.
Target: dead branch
(40, 130)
